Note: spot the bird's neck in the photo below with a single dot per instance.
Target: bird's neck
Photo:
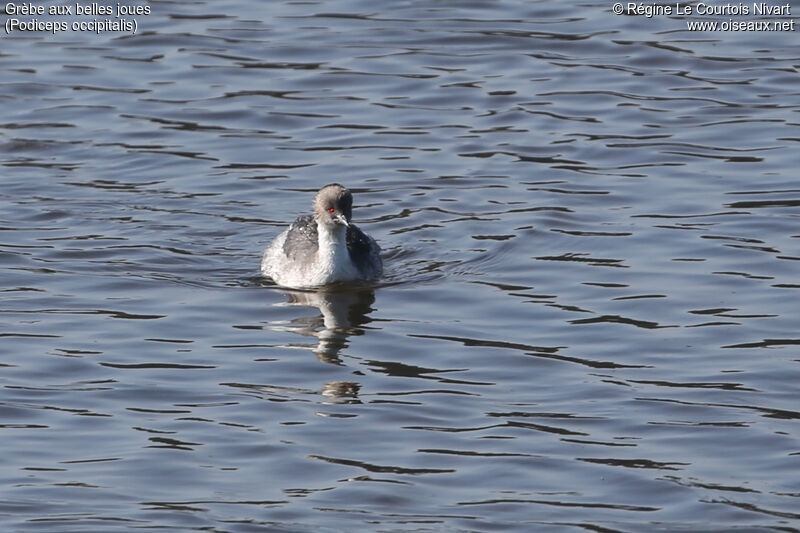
(332, 240)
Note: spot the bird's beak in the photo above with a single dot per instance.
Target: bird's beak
(341, 220)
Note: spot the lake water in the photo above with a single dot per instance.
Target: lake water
(589, 318)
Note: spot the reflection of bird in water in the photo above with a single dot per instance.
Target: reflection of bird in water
(342, 391)
(323, 248)
(343, 312)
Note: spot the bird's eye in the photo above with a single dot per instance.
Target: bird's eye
(331, 209)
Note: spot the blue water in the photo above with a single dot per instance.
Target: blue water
(588, 318)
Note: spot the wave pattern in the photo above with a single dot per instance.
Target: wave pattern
(588, 317)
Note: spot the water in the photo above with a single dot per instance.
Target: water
(588, 319)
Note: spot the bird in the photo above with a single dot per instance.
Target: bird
(323, 248)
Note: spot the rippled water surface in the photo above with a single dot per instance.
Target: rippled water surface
(589, 319)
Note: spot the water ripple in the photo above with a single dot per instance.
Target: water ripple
(589, 225)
